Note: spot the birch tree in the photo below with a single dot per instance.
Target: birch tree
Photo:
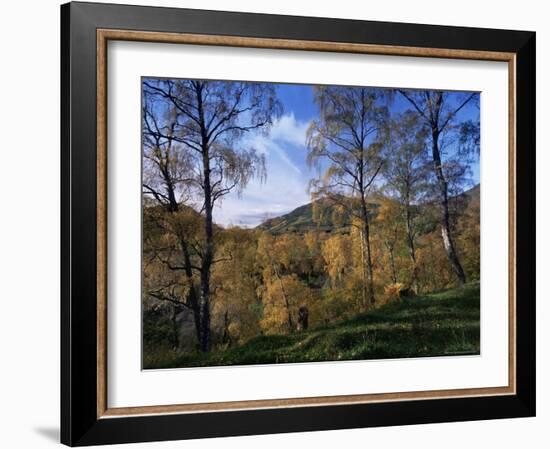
(212, 117)
(407, 174)
(440, 113)
(345, 144)
(166, 167)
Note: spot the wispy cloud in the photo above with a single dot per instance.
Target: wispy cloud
(287, 177)
(286, 132)
(288, 129)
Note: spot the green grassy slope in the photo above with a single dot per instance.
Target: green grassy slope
(444, 323)
(302, 219)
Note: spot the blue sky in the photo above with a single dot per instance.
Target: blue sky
(286, 185)
(288, 175)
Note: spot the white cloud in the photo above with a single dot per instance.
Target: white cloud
(286, 130)
(287, 177)
(282, 192)
(290, 130)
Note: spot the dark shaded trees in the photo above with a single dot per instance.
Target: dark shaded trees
(211, 117)
(166, 166)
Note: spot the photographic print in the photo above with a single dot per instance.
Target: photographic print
(289, 223)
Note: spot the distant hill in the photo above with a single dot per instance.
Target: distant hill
(311, 216)
(467, 199)
(472, 194)
(320, 216)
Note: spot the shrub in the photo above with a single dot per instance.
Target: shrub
(392, 292)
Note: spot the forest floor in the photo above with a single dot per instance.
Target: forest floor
(436, 324)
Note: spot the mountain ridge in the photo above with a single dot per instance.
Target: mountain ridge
(301, 219)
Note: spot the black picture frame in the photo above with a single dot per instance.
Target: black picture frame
(80, 424)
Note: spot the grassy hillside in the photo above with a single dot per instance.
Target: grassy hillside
(303, 219)
(443, 323)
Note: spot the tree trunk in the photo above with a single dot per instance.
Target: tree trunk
(175, 330)
(285, 297)
(366, 230)
(303, 318)
(208, 254)
(412, 249)
(204, 303)
(392, 263)
(226, 338)
(207, 257)
(205, 344)
(444, 202)
(363, 270)
(192, 300)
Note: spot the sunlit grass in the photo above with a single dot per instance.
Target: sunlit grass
(437, 324)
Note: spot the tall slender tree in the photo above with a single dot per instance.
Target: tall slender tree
(389, 226)
(166, 167)
(440, 113)
(407, 173)
(211, 119)
(345, 143)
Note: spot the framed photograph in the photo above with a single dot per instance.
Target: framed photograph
(283, 224)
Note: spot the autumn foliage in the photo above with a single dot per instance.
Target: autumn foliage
(389, 217)
(268, 277)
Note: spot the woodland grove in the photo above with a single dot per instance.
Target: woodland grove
(390, 214)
